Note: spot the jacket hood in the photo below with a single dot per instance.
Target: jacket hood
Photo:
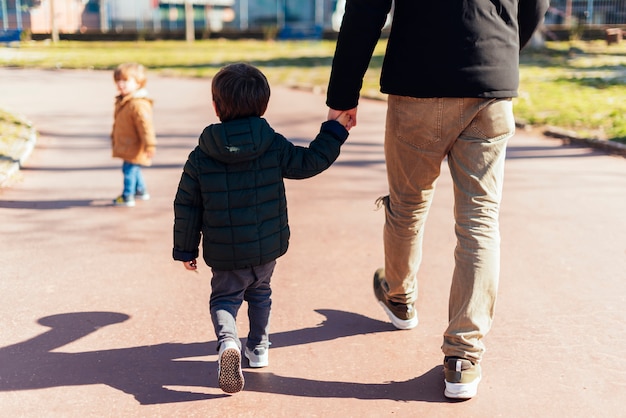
(237, 140)
(141, 93)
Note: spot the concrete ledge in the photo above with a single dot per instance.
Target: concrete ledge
(569, 137)
(20, 151)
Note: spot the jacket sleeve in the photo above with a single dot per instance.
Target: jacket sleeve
(361, 27)
(530, 15)
(302, 162)
(143, 123)
(188, 210)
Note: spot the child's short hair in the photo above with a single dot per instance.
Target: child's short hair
(127, 70)
(240, 91)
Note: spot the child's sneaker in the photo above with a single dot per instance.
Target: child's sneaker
(142, 195)
(122, 201)
(230, 377)
(461, 377)
(259, 357)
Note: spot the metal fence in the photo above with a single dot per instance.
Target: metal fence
(586, 12)
(244, 15)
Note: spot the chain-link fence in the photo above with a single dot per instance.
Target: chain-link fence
(571, 17)
(586, 12)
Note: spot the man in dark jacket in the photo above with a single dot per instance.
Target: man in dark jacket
(232, 194)
(450, 69)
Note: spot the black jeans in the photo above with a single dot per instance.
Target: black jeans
(229, 289)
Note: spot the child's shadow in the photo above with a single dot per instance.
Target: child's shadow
(140, 371)
(146, 372)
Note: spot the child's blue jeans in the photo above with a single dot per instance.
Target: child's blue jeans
(133, 180)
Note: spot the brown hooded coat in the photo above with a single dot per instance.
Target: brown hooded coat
(133, 138)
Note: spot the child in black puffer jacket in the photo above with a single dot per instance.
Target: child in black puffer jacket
(232, 195)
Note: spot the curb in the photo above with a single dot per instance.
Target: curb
(13, 167)
(569, 137)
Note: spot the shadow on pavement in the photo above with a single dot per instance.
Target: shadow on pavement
(549, 151)
(148, 372)
(52, 204)
(139, 371)
(337, 324)
(425, 388)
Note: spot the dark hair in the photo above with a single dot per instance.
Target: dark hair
(239, 91)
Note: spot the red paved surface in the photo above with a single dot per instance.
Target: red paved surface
(98, 321)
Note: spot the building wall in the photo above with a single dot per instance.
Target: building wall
(234, 16)
(68, 16)
(254, 14)
(130, 10)
(78, 16)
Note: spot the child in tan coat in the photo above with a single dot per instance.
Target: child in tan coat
(133, 138)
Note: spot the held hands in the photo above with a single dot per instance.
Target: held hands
(346, 117)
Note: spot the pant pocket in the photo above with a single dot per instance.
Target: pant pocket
(414, 121)
(495, 121)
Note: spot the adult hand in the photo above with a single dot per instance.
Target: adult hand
(345, 120)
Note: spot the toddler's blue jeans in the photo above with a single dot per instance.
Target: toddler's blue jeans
(133, 180)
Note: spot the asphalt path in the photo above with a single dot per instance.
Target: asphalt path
(98, 320)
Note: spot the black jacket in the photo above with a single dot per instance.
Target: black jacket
(436, 48)
(232, 191)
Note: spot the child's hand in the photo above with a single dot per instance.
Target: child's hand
(191, 265)
(150, 154)
(345, 120)
(346, 117)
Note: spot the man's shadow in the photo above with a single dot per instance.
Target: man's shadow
(146, 372)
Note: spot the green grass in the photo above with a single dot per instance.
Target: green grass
(12, 125)
(13, 129)
(577, 86)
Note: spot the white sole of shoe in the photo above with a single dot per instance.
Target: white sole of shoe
(397, 322)
(461, 390)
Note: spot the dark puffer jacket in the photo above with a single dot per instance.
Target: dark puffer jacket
(436, 48)
(232, 192)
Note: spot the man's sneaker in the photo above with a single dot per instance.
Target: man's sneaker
(402, 316)
(230, 377)
(461, 377)
(258, 357)
(122, 201)
(142, 195)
